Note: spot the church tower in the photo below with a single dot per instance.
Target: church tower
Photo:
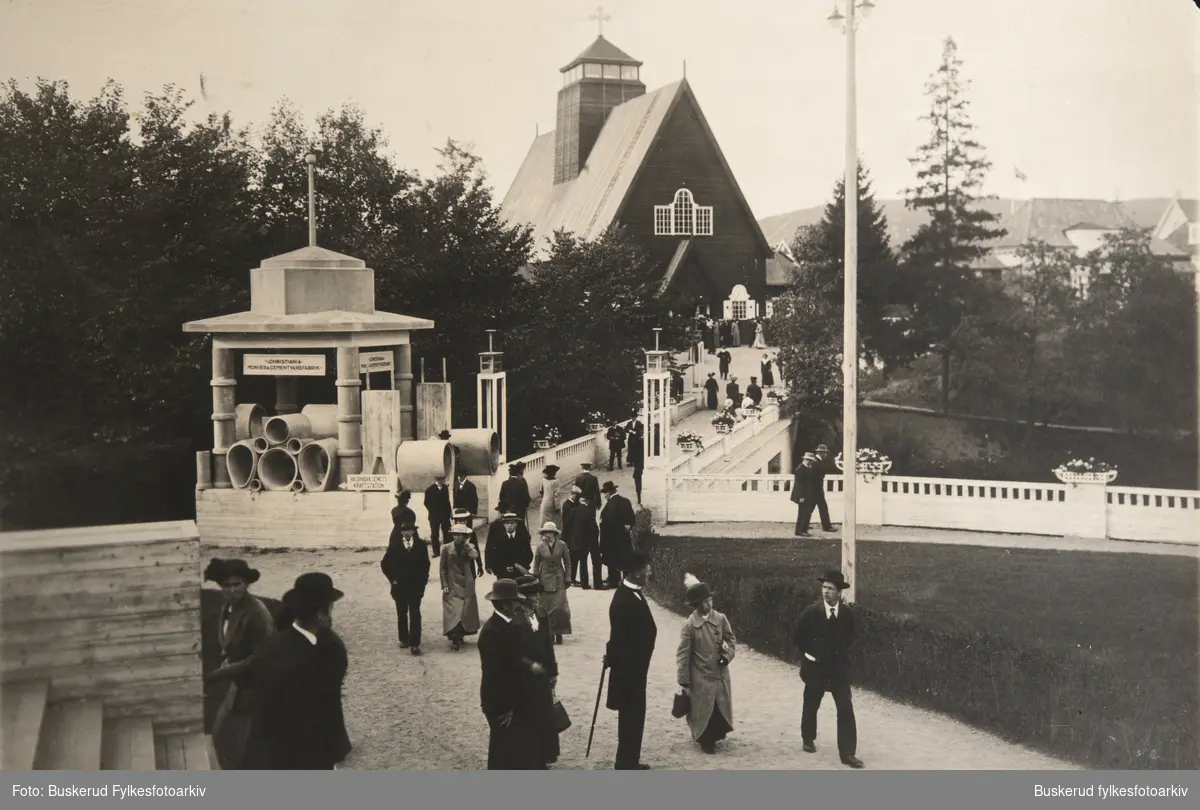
(597, 80)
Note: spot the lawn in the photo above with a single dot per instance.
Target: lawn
(1090, 656)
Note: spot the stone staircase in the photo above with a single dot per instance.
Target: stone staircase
(754, 453)
(75, 735)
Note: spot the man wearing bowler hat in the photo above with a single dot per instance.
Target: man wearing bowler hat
(514, 743)
(616, 532)
(406, 566)
(298, 720)
(823, 635)
(508, 544)
(632, 633)
(802, 493)
(819, 471)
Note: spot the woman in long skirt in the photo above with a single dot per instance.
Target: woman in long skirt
(706, 646)
(549, 510)
(552, 567)
(538, 646)
(760, 340)
(460, 606)
(768, 374)
(244, 627)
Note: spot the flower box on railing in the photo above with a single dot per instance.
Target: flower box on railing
(868, 462)
(541, 444)
(595, 427)
(1093, 477)
(723, 427)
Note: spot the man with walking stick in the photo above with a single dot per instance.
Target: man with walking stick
(630, 646)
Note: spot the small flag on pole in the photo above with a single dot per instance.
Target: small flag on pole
(1020, 174)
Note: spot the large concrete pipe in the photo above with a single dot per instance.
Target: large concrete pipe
(278, 429)
(478, 450)
(418, 462)
(203, 470)
(324, 419)
(248, 421)
(242, 462)
(277, 470)
(318, 465)
(294, 446)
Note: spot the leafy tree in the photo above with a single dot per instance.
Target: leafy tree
(807, 325)
(586, 318)
(821, 249)
(940, 256)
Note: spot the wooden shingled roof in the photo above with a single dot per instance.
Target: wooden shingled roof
(589, 204)
(603, 51)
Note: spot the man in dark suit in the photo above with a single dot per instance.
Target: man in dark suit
(298, 718)
(584, 543)
(514, 742)
(802, 493)
(514, 493)
(508, 544)
(819, 471)
(406, 565)
(823, 635)
(616, 445)
(437, 506)
(616, 532)
(734, 391)
(723, 360)
(754, 392)
(466, 496)
(632, 633)
(588, 484)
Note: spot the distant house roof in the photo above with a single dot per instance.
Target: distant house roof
(1049, 220)
(589, 204)
(780, 269)
(603, 51)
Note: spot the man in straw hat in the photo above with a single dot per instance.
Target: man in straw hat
(616, 531)
(706, 646)
(463, 517)
(460, 607)
(514, 742)
(803, 494)
(508, 543)
(298, 719)
(823, 635)
(632, 633)
(820, 470)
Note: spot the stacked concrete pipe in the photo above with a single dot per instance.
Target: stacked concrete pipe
(419, 462)
(277, 470)
(323, 420)
(317, 462)
(242, 463)
(278, 429)
(477, 451)
(248, 421)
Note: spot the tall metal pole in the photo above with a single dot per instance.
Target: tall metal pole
(850, 317)
(311, 160)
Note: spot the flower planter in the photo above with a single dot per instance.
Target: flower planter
(724, 427)
(1067, 477)
(541, 444)
(689, 447)
(868, 467)
(595, 427)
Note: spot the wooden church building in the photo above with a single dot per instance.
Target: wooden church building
(648, 162)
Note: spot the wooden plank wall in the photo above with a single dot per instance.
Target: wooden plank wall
(381, 430)
(230, 517)
(109, 612)
(433, 409)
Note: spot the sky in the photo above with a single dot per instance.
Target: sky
(1088, 98)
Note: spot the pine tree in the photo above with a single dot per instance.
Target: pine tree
(820, 249)
(940, 257)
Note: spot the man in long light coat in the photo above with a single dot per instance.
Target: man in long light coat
(706, 646)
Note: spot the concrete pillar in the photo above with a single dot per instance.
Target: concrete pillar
(285, 396)
(223, 415)
(869, 503)
(349, 413)
(404, 384)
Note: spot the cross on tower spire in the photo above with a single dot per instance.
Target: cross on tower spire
(600, 17)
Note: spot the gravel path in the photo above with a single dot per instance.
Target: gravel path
(423, 713)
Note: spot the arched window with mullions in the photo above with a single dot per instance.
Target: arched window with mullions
(683, 217)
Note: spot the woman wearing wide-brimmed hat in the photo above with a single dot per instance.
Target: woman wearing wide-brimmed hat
(706, 646)
(460, 606)
(552, 567)
(298, 721)
(243, 629)
(549, 483)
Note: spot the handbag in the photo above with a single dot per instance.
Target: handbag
(681, 705)
(562, 720)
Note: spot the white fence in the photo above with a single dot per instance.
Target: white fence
(1086, 510)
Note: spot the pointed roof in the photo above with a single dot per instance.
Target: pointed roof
(602, 51)
(1050, 219)
(589, 204)
(314, 257)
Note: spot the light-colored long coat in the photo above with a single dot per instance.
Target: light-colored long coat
(698, 668)
(549, 510)
(552, 567)
(460, 605)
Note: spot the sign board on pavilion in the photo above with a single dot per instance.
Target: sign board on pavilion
(370, 483)
(371, 362)
(284, 365)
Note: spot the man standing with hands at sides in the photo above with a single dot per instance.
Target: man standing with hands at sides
(437, 506)
(632, 633)
(819, 471)
(617, 520)
(514, 742)
(802, 493)
(406, 565)
(823, 635)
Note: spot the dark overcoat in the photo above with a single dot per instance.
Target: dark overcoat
(514, 496)
(241, 633)
(826, 641)
(712, 387)
(437, 503)
(503, 687)
(407, 570)
(589, 487)
(818, 473)
(298, 722)
(801, 485)
(632, 633)
(466, 496)
(616, 526)
(500, 553)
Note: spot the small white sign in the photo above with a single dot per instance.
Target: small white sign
(284, 365)
(370, 483)
(371, 362)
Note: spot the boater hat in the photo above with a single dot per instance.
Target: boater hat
(505, 590)
(835, 578)
(509, 516)
(461, 514)
(809, 457)
(822, 448)
(549, 526)
(458, 528)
